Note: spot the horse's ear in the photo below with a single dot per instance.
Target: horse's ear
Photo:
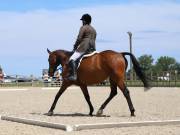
(48, 51)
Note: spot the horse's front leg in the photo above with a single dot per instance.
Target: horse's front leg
(60, 92)
(87, 97)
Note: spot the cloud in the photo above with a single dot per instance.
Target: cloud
(104, 41)
(153, 31)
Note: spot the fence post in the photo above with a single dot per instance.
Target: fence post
(170, 79)
(175, 77)
(16, 80)
(157, 79)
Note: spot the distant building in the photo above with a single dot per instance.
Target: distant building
(45, 76)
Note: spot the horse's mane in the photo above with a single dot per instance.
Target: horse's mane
(67, 53)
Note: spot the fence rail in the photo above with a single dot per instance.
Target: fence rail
(163, 79)
(32, 84)
(160, 79)
(134, 83)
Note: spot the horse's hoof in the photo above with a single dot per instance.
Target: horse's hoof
(99, 113)
(50, 113)
(90, 113)
(132, 114)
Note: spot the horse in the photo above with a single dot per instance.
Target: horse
(93, 70)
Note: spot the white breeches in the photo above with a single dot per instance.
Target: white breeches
(75, 55)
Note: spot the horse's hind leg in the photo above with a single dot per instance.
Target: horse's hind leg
(112, 94)
(87, 97)
(126, 93)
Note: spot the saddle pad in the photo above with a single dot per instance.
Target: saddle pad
(85, 56)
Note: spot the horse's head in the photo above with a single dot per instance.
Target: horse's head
(56, 58)
(53, 62)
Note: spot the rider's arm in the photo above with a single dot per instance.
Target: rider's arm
(80, 37)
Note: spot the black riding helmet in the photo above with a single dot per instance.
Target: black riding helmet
(87, 18)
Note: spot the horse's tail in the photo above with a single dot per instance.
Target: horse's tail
(137, 68)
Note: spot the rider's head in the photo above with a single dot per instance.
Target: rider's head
(86, 18)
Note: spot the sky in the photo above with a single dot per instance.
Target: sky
(29, 27)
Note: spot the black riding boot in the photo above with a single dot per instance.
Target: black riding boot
(73, 74)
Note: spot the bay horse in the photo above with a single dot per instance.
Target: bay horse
(93, 70)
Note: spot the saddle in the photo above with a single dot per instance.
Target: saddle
(78, 61)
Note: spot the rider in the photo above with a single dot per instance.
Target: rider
(85, 42)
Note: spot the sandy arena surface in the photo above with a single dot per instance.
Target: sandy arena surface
(156, 104)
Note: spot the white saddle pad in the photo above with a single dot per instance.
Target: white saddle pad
(85, 56)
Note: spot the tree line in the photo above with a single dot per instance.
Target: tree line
(162, 64)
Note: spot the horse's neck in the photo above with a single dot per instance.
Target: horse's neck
(64, 56)
(68, 54)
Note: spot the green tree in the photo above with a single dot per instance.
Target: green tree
(0, 69)
(165, 63)
(177, 67)
(146, 63)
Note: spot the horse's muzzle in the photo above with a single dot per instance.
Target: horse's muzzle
(51, 72)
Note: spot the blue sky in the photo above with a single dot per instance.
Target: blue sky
(24, 5)
(28, 27)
